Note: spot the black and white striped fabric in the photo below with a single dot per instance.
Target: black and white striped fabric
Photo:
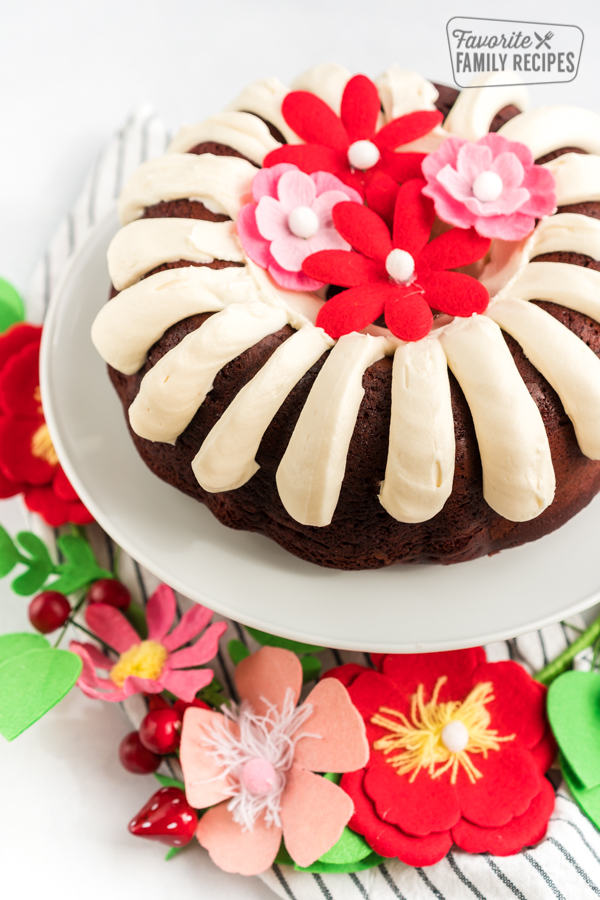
(565, 865)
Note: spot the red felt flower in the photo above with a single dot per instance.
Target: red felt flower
(459, 747)
(402, 276)
(28, 462)
(350, 146)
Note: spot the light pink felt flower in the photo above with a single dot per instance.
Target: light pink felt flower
(291, 219)
(152, 665)
(492, 185)
(255, 766)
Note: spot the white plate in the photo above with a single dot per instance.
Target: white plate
(247, 576)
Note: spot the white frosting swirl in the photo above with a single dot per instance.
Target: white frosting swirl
(576, 287)
(567, 232)
(402, 92)
(239, 130)
(475, 108)
(550, 128)
(577, 177)
(326, 81)
(264, 99)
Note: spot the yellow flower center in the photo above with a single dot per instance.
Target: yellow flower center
(144, 660)
(440, 736)
(41, 445)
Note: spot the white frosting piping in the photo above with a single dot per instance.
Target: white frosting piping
(222, 183)
(420, 464)
(564, 360)
(577, 177)
(402, 92)
(126, 328)
(518, 477)
(310, 474)
(567, 232)
(173, 390)
(302, 306)
(239, 130)
(327, 81)
(226, 459)
(550, 128)
(147, 243)
(264, 99)
(575, 287)
(476, 107)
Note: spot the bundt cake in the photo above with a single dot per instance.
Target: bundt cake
(433, 396)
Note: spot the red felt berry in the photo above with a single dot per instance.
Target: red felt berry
(167, 817)
(160, 730)
(155, 701)
(48, 611)
(181, 705)
(135, 757)
(110, 591)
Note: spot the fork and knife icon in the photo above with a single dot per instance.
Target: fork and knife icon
(543, 41)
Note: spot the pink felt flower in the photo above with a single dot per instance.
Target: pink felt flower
(291, 219)
(492, 185)
(152, 665)
(255, 766)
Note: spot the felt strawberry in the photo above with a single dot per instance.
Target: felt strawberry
(402, 275)
(167, 817)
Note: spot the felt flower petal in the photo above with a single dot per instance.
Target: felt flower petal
(413, 217)
(192, 623)
(16, 450)
(472, 160)
(17, 337)
(9, 488)
(205, 649)
(381, 193)
(266, 676)
(454, 293)
(407, 315)
(296, 188)
(133, 684)
(371, 691)
(352, 310)
(111, 626)
(363, 229)
(272, 217)
(407, 128)
(205, 784)
(308, 157)
(447, 208)
(313, 120)
(418, 807)
(347, 673)
(254, 244)
(325, 239)
(342, 745)
(160, 612)
(360, 108)
(404, 166)
(54, 511)
(389, 840)
(99, 659)
(290, 252)
(324, 203)
(545, 752)
(458, 247)
(186, 683)
(314, 812)
(62, 487)
(507, 228)
(325, 182)
(522, 831)
(510, 780)
(292, 281)
(343, 267)
(509, 168)
(445, 155)
(264, 183)
(542, 192)
(88, 652)
(235, 850)
(19, 382)
(520, 706)
(410, 670)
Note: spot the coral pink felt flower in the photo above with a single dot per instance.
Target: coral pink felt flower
(257, 764)
(402, 276)
(152, 665)
(290, 219)
(492, 185)
(350, 146)
(459, 748)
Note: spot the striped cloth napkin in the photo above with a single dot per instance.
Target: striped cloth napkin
(565, 865)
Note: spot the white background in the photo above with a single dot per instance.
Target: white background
(70, 72)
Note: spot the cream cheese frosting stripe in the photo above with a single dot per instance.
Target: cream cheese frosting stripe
(402, 92)
(421, 454)
(572, 286)
(173, 390)
(518, 476)
(577, 177)
(147, 243)
(264, 99)
(239, 130)
(550, 128)
(222, 183)
(327, 81)
(226, 459)
(568, 232)
(571, 367)
(476, 107)
(126, 328)
(310, 474)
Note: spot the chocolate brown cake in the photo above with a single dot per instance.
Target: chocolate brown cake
(362, 533)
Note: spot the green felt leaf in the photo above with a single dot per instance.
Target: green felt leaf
(350, 854)
(12, 645)
(11, 305)
(174, 851)
(39, 564)
(359, 865)
(271, 640)
(213, 694)
(136, 615)
(80, 568)
(9, 555)
(333, 776)
(574, 715)
(237, 651)
(31, 684)
(165, 781)
(587, 800)
(311, 667)
(350, 848)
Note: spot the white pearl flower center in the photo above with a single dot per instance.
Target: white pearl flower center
(400, 266)
(303, 222)
(258, 776)
(487, 186)
(363, 155)
(455, 736)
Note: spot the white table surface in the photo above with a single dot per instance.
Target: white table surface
(70, 72)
